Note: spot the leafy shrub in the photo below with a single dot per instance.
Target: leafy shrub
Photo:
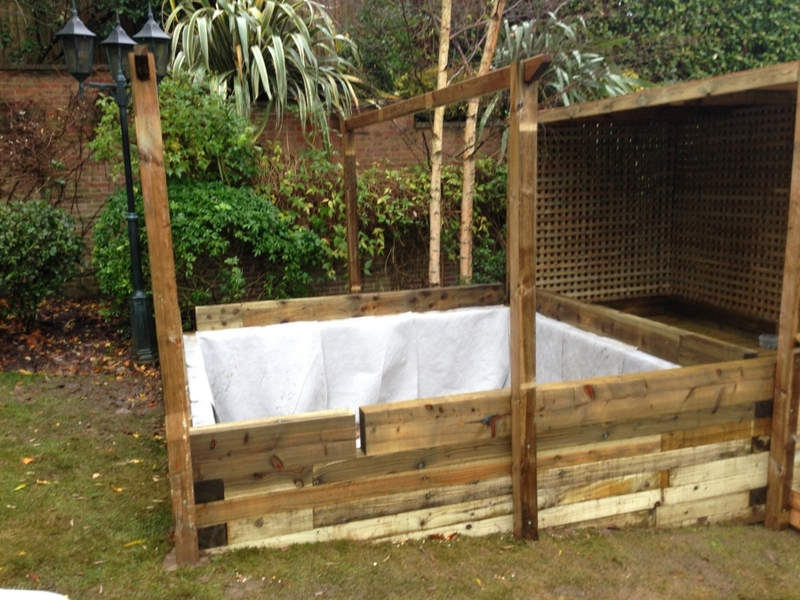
(39, 251)
(392, 210)
(204, 138)
(229, 244)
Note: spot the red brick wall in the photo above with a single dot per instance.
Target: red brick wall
(396, 144)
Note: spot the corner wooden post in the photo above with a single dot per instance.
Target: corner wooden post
(787, 369)
(522, 173)
(165, 301)
(351, 210)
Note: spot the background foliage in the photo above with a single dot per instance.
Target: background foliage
(229, 243)
(39, 252)
(204, 138)
(676, 40)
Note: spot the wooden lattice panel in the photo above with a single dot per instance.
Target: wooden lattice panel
(604, 209)
(731, 199)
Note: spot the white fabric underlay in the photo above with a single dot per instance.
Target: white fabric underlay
(294, 368)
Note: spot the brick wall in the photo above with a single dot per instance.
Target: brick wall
(400, 143)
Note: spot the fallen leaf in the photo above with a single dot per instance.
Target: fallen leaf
(133, 543)
(95, 475)
(478, 581)
(42, 482)
(27, 460)
(20, 486)
(117, 489)
(21, 553)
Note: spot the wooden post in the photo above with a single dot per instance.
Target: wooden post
(522, 169)
(351, 210)
(787, 369)
(165, 301)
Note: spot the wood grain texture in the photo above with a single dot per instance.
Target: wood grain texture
(346, 306)
(787, 370)
(165, 300)
(768, 77)
(481, 85)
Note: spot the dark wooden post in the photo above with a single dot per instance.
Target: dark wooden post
(522, 169)
(787, 370)
(165, 301)
(351, 209)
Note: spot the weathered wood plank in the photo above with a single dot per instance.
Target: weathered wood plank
(165, 300)
(522, 173)
(461, 418)
(721, 469)
(778, 75)
(702, 511)
(605, 488)
(661, 424)
(494, 81)
(664, 341)
(322, 495)
(619, 467)
(221, 316)
(642, 396)
(718, 479)
(381, 506)
(423, 523)
(716, 433)
(351, 211)
(325, 308)
(597, 509)
(387, 464)
(596, 452)
(249, 530)
(787, 370)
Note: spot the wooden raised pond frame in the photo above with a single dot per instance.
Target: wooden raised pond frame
(685, 196)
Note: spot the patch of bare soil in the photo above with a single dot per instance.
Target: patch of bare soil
(73, 338)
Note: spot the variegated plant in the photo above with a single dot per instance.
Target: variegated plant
(285, 52)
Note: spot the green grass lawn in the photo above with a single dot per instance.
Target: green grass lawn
(84, 511)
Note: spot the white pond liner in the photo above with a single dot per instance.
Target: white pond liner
(294, 368)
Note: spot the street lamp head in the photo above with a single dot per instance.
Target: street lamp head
(157, 42)
(118, 45)
(77, 43)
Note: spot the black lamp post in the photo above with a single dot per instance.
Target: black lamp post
(77, 42)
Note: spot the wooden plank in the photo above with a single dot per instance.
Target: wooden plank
(596, 452)
(456, 419)
(620, 467)
(494, 81)
(787, 370)
(495, 526)
(638, 519)
(521, 248)
(597, 509)
(415, 523)
(664, 341)
(661, 424)
(778, 75)
(642, 396)
(717, 433)
(721, 469)
(351, 211)
(386, 464)
(717, 481)
(221, 316)
(165, 300)
(322, 495)
(274, 453)
(604, 488)
(701, 511)
(325, 308)
(381, 506)
(267, 526)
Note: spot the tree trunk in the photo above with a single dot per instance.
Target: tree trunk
(470, 128)
(434, 264)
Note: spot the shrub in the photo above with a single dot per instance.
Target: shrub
(204, 138)
(39, 251)
(229, 243)
(392, 210)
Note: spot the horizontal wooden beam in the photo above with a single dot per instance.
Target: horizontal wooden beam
(325, 308)
(664, 341)
(494, 81)
(767, 77)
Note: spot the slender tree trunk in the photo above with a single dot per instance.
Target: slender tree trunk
(470, 128)
(434, 268)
